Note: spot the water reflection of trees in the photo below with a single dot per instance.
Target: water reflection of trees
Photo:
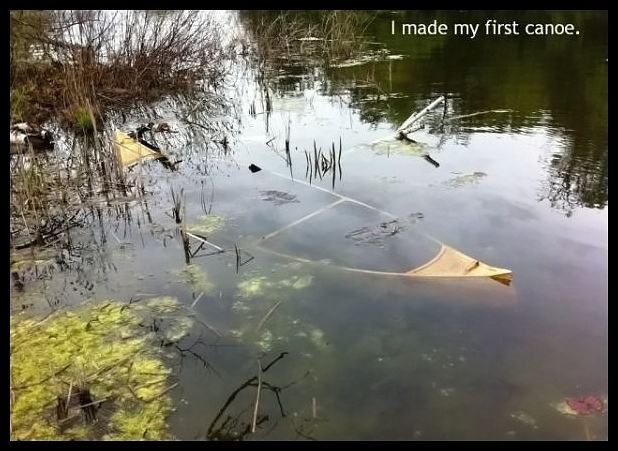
(562, 75)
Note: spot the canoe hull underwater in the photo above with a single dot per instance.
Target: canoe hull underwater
(412, 254)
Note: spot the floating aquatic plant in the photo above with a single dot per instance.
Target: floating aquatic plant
(317, 338)
(197, 278)
(103, 350)
(254, 286)
(273, 292)
(266, 341)
(206, 225)
(260, 285)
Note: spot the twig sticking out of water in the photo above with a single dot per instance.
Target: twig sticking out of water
(320, 164)
(237, 257)
(257, 397)
(288, 157)
(177, 204)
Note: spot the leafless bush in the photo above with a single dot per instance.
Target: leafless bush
(95, 60)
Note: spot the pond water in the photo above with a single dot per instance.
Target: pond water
(368, 356)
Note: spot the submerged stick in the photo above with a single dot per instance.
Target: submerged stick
(476, 114)
(268, 314)
(197, 299)
(257, 398)
(69, 395)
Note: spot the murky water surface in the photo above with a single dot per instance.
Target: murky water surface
(369, 356)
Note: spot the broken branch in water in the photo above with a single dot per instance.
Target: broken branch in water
(431, 160)
(416, 116)
(205, 241)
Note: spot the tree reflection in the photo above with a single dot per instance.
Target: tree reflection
(564, 76)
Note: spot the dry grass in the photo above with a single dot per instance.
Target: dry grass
(328, 35)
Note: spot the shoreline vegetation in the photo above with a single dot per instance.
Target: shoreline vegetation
(77, 71)
(72, 64)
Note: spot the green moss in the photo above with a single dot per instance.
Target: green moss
(104, 348)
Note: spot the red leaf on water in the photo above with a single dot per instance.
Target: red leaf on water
(586, 405)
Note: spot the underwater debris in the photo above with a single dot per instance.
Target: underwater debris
(466, 179)
(399, 147)
(585, 405)
(278, 197)
(104, 356)
(377, 234)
